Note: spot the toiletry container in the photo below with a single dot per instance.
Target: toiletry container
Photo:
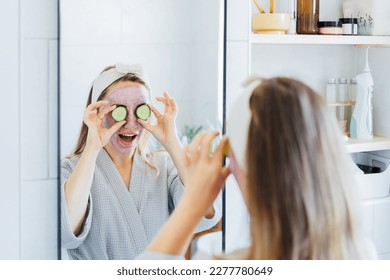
(330, 28)
(375, 182)
(361, 126)
(343, 106)
(292, 4)
(350, 26)
(331, 95)
(307, 16)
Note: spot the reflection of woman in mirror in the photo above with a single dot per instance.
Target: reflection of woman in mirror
(294, 176)
(116, 194)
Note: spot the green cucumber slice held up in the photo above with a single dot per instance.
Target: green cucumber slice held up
(119, 113)
(143, 112)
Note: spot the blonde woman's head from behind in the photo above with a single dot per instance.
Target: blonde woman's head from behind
(297, 182)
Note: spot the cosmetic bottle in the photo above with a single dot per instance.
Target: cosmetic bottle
(343, 105)
(331, 95)
(292, 29)
(307, 15)
(362, 116)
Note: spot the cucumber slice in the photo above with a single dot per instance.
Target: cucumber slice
(119, 113)
(142, 112)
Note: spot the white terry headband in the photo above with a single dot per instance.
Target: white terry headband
(237, 124)
(111, 75)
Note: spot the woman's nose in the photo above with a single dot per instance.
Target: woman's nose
(131, 121)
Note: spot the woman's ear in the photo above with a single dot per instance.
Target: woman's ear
(237, 171)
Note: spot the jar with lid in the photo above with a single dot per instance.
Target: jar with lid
(330, 28)
(349, 25)
(307, 15)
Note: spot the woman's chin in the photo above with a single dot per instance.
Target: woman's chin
(124, 147)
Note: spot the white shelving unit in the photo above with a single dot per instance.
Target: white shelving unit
(376, 41)
(376, 144)
(353, 145)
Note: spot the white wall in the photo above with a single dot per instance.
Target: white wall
(28, 200)
(176, 41)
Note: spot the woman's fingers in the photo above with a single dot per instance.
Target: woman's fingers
(97, 105)
(146, 125)
(106, 110)
(173, 105)
(155, 112)
(169, 103)
(115, 127)
(206, 142)
(162, 100)
(220, 150)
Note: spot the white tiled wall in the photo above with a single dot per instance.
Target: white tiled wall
(175, 41)
(9, 140)
(28, 200)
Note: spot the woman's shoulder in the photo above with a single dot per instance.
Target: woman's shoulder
(70, 160)
(158, 155)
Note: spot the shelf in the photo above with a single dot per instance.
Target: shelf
(376, 144)
(377, 41)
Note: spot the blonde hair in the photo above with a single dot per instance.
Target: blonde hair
(299, 189)
(143, 147)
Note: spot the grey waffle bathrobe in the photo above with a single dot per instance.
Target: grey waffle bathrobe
(121, 223)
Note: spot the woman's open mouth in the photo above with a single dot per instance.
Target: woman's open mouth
(127, 138)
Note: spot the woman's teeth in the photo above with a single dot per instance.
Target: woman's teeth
(127, 136)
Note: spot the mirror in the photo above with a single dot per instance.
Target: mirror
(178, 43)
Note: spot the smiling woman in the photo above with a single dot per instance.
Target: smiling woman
(115, 193)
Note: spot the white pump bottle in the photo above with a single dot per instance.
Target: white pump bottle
(362, 117)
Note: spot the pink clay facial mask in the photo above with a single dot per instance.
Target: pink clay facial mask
(126, 139)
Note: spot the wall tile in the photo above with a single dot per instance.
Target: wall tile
(333, 61)
(34, 114)
(384, 256)
(237, 70)
(238, 20)
(39, 220)
(382, 227)
(89, 22)
(9, 140)
(368, 220)
(182, 70)
(237, 218)
(205, 65)
(71, 119)
(39, 19)
(53, 109)
(206, 20)
(162, 21)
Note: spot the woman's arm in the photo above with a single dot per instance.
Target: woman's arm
(165, 132)
(205, 179)
(78, 185)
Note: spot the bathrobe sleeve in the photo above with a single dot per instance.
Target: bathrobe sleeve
(176, 190)
(68, 239)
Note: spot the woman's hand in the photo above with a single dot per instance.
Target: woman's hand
(98, 135)
(205, 179)
(205, 173)
(165, 129)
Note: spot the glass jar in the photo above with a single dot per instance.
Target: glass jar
(331, 95)
(343, 106)
(307, 14)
